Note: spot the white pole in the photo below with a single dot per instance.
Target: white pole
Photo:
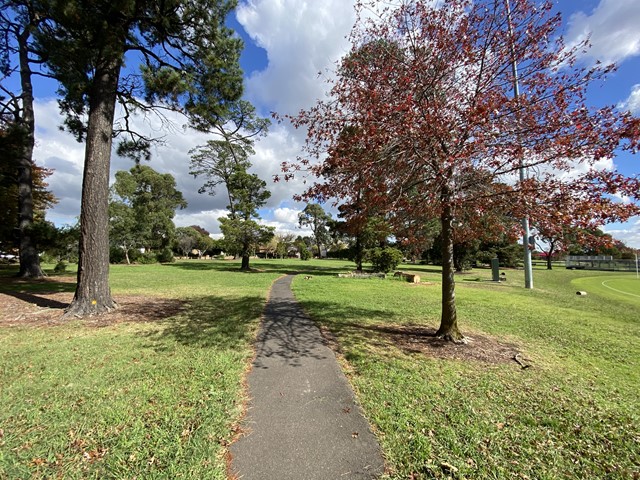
(528, 271)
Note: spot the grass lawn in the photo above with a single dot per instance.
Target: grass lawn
(154, 399)
(574, 413)
(159, 398)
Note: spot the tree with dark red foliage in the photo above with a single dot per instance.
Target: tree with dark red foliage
(435, 130)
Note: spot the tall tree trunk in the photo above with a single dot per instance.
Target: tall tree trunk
(449, 320)
(550, 256)
(29, 259)
(359, 253)
(93, 295)
(245, 262)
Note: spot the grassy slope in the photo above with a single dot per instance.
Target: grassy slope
(574, 414)
(145, 400)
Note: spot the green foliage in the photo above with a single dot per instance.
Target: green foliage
(384, 259)
(242, 234)
(147, 258)
(61, 267)
(59, 243)
(11, 144)
(305, 253)
(218, 159)
(485, 257)
(510, 255)
(117, 255)
(241, 237)
(315, 217)
(201, 77)
(165, 256)
(188, 239)
(282, 249)
(142, 208)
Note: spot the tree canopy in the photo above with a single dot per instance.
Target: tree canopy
(242, 233)
(435, 130)
(11, 147)
(142, 208)
(189, 62)
(317, 219)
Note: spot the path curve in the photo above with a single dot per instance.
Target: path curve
(302, 420)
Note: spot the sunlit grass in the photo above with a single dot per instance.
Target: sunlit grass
(145, 400)
(573, 414)
(160, 399)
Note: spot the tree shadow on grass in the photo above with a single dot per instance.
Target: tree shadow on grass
(262, 266)
(347, 330)
(210, 322)
(39, 301)
(35, 291)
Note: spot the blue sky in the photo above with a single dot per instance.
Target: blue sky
(288, 42)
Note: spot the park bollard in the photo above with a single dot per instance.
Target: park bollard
(495, 269)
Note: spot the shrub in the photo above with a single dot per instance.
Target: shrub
(134, 254)
(385, 259)
(48, 258)
(147, 258)
(116, 255)
(485, 256)
(165, 256)
(60, 267)
(305, 254)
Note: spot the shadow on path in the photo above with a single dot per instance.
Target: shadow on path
(302, 420)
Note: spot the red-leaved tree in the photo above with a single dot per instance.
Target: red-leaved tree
(435, 130)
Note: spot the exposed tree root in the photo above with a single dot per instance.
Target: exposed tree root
(520, 362)
(83, 310)
(457, 339)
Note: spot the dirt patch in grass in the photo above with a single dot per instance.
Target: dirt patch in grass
(45, 307)
(421, 339)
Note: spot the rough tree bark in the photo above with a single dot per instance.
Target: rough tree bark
(29, 259)
(449, 319)
(93, 295)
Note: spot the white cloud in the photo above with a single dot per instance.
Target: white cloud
(286, 215)
(628, 233)
(613, 30)
(207, 219)
(302, 38)
(632, 103)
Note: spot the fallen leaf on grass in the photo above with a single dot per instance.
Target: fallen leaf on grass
(38, 462)
(94, 455)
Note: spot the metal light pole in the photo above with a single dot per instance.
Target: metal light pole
(528, 271)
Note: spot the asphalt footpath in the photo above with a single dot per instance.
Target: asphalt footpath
(302, 421)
